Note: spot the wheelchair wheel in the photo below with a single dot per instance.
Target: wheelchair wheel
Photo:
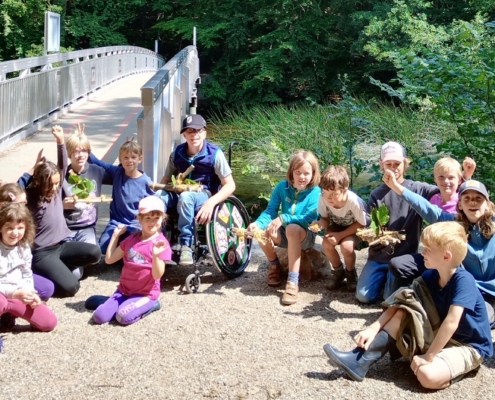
(192, 283)
(230, 254)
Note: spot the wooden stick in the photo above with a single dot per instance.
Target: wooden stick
(183, 175)
(87, 200)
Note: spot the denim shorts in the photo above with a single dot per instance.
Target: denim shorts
(307, 243)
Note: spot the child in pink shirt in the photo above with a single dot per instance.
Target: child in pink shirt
(448, 177)
(144, 256)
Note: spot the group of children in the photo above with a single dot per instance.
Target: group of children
(47, 237)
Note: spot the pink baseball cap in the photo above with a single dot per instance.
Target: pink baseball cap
(151, 203)
(392, 151)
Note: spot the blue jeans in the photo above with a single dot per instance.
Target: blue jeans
(187, 204)
(374, 278)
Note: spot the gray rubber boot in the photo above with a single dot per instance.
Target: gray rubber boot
(356, 363)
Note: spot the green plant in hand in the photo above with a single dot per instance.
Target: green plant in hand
(82, 187)
(377, 233)
(379, 218)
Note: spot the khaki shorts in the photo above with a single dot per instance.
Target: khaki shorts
(339, 228)
(460, 358)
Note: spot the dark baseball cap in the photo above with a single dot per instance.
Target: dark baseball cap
(474, 185)
(194, 121)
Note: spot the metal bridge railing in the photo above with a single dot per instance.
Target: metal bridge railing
(34, 91)
(166, 98)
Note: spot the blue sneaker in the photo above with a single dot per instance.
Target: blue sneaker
(93, 302)
(156, 307)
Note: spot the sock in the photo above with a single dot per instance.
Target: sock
(275, 261)
(78, 272)
(293, 277)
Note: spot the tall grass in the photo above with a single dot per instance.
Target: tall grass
(348, 133)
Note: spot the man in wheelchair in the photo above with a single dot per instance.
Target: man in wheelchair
(211, 169)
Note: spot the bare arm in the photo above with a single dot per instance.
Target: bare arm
(158, 266)
(114, 252)
(365, 337)
(206, 210)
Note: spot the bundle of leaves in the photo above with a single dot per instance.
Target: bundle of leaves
(82, 187)
(377, 232)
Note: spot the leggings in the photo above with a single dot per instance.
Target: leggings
(125, 309)
(41, 317)
(57, 262)
(44, 287)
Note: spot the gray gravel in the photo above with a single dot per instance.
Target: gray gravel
(231, 340)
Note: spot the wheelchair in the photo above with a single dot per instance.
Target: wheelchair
(216, 240)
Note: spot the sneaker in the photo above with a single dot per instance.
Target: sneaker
(155, 307)
(351, 278)
(7, 321)
(291, 294)
(186, 256)
(274, 275)
(93, 302)
(336, 278)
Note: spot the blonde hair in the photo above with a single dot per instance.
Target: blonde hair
(334, 178)
(78, 139)
(297, 160)
(131, 146)
(485, 223)
(447, 164)
(447, 236)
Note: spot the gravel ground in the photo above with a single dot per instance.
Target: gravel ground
(231, 340)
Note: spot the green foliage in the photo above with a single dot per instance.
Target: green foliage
(22, 26)
(82, 187)
(455, 79)
(379, 218)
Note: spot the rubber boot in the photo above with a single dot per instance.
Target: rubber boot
(356, 363)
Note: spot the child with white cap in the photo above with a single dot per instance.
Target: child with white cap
(144, 255)
(375, 275)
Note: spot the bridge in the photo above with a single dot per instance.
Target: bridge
(117, 92)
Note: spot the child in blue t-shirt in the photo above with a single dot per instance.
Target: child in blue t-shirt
(463, 339)
(130, 185)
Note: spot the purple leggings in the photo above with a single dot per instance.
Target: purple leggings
(44, 287)
(125, 309)
(40, 317)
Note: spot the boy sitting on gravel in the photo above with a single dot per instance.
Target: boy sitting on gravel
(445, 296)
(342, 213)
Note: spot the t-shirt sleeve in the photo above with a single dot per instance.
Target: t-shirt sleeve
(126, 243)
(222, 167)
(359, 210)
(464, 293)
(171, 168)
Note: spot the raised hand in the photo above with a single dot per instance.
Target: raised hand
(159, 246)
(58, 132)
(468, 167)
(119, 230)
